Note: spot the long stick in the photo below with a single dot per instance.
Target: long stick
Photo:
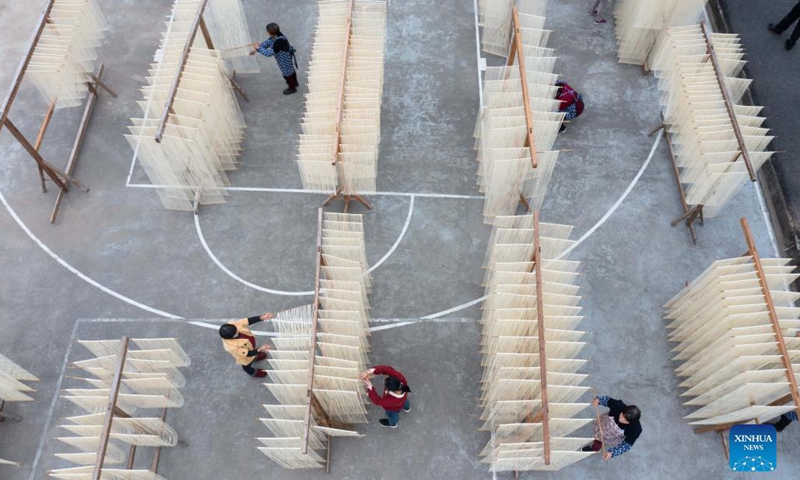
(773, 315)
(599, 425)
(173, 89)
(313, 349)
(105, 433)
(342, 74)
(523, 76)
(537, 255)
(728, 103)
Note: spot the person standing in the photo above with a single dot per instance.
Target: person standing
(785, 23)
(571, 102)
(239, 341)
(596, 10)
(395, 393)
(278, 46)
(619, 429)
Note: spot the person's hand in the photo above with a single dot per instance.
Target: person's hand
(367, 383)
(267, 315)
(263, 348)
(253, 52)
(606, 455)
(595, 402)
(366, 374)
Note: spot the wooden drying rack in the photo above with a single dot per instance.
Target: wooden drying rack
(311, 401)
(112, 410)
(793, 395)
(340, 194)
(197, 24)
(544, 414)
(62, 178)
(518, 52)
(693, 213)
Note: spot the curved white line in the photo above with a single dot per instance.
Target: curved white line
(399, 239)
(233, 275)
(75, 270)
(285, 292)
(580, 240)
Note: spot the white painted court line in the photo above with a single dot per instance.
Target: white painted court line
(295, 293)
(51, 409)
(74, 270)
(317, 192)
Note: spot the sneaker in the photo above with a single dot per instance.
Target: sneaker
(289, 91)
(790, 44)
(591, 13)
(562, 129)
(406, 409)
(385, 422)
(774, 30)
(587, 448)
(260, 374)
(600, 21)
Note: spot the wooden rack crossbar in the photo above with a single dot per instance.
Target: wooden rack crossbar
(105, 433)
(112, 410)
(62, 178)
(173, 89)
(537, 267)
(345, 197)
(518, 52)
(773, 315)
(728, 103)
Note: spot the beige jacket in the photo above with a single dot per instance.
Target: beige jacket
(239, 347)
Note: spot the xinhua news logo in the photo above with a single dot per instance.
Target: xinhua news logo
(753, 449)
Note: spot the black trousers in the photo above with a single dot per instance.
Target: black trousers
(787, 22)
(291, 80)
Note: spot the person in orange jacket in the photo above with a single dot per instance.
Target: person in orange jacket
(395, 393)
(240, 342)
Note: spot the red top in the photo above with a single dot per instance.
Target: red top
(388, 401)
(568, 97)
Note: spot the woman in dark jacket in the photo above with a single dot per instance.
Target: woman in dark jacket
(619, 429)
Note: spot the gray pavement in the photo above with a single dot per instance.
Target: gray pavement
(127, 266)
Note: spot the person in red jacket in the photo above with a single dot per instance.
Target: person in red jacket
(395, 393)
(571, 102)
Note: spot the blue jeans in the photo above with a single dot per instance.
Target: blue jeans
(394, 417)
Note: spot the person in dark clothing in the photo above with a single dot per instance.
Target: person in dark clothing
(785, 23)
(239, 341)
(785, 420)
(571, 102)
(620, 427)
(395, 393)
(278, 46)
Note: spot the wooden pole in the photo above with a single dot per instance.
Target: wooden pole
(523, 76)
(105, 433)
(206, 35)
(537, 255)
(340, 94)
(76, 146)
(597, 417)
(157, 456)
(313, 349)
(173, 89)
(40, 138)
(773, 315)
(728, 102)
(23, 66)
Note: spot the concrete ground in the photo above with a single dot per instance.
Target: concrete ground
(117, 263)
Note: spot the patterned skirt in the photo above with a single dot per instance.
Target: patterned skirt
(612, 434)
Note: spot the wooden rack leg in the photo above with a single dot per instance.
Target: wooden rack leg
(79, 137)
(40, 137)
(724, 444)
(332, 197)
(236, 86)
(524, 201)
(328, 456)
(157, 456)
(97, 81)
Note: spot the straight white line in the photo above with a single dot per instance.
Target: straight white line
(233, 275)
(75, 270)
(313, 192)
(399, 239)
(478, 55)
(52, 408)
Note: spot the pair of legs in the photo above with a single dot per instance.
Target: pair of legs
(787, 22)
(394, 417)
(254, 372)
(596, 9)
(291, 81)
(594, 447)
